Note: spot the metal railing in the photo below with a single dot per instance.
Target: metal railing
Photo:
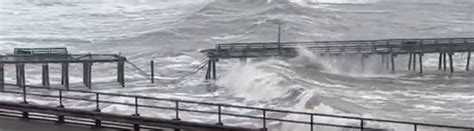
(265, 114)
(384, 43)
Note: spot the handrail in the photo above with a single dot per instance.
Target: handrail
(380, 42)
(177, 109)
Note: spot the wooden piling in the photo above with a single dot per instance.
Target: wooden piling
(214, 73)
(414, 61)
(87, 74)
(208, 72)
(120, 71)
(451, 62)
(18, 79)
(393, 62)
(440, 61)
(2, 78)
(409, 61)
(65, 74)
(21, 75)
(45, 75)
(444, 61)
(468, 60)
(421, 62)
(152, 71)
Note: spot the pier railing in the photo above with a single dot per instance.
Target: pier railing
(425, 45)
(265, 114)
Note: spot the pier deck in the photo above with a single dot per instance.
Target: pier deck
(389, 49)
(46, 56)
(384, 46)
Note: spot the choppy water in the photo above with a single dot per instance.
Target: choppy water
(172, 32)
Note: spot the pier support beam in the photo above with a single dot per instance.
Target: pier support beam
(444, 61)
(414, 61)
(65, 75)
(451, 62)
(2, 78)
(421, 63)
(20, 74)
(87, 73)
(208, 72)
(468, 60)
(409, 61)
(392, 60)
(45, 75)
(211, 69)
(214, 73)
(440, 61)
(120, 71)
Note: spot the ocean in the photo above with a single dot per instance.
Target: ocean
(172, 32)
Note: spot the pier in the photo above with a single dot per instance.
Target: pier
(46, 56)
(387, 49)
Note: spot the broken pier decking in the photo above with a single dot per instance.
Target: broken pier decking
(45, 57)
(387, 48)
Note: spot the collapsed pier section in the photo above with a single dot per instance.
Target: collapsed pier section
(47, 56)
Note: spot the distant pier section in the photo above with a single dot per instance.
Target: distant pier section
(387, 49)
(46, 56)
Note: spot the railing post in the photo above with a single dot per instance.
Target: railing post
(24, 94)
(264, 119)
(61, 99)
(361, 124)
(177, 110)
(97, 102)
(60, 117)
(219, 115)
(98, 122)
(136, 106)
(415, 127)
(312, 122)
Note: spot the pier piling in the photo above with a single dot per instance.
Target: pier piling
(451, 62)
(421, 63)
(444, 62)
(440, 61)
(208, 72)
(393, 62)
(214, 73)
(414, 62)
(65, 75)
(468, 60)
(409, 61)
(87, 72)
(120, 71)
(45, 75)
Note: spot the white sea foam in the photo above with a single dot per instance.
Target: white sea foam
(252, 82)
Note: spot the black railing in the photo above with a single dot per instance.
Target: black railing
(265, 116)
(384, 43)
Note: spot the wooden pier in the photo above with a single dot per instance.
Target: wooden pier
(388, 49)
(46, 56)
